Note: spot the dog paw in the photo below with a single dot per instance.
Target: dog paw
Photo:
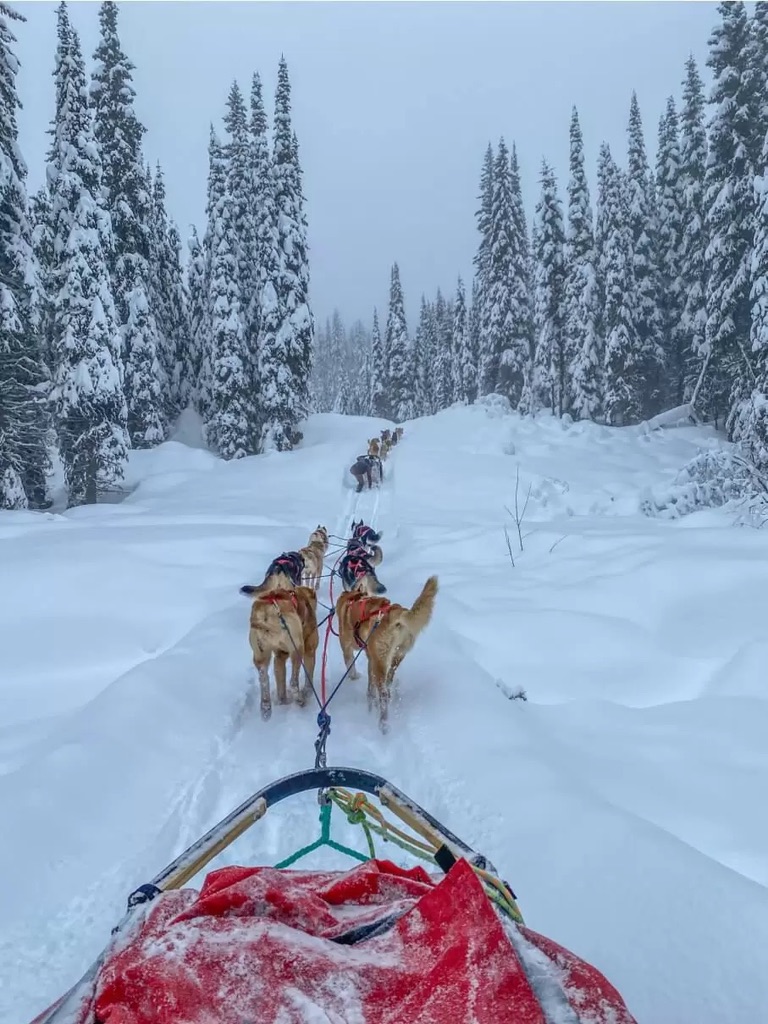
(283, 700)
(302, 697)
(266, 712)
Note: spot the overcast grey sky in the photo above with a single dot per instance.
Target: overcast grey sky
(393, 103)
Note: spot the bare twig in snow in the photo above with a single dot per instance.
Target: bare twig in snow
(556, 543)
(519, 515)
(509, 547)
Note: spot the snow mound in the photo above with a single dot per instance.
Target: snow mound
(712, 479)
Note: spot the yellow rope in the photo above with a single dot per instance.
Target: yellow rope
(357, 805)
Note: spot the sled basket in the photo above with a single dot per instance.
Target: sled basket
(378, 944)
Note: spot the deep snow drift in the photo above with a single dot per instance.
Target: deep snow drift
(625, 800)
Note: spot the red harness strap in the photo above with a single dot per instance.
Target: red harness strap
(275, 596)
(367, 616)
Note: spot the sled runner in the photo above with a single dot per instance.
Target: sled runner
(378, 944)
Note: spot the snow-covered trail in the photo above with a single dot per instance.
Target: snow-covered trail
(622, 801)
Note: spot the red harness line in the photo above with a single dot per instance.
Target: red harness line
(328, 630)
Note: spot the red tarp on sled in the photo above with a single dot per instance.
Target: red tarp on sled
(256, 946)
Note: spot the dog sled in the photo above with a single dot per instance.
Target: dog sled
(377, 944)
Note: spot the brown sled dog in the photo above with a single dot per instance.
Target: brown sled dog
(283, 624)
(373, 448)
(314, 557)
(387, 632)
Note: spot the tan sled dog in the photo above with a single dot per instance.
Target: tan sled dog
(373, 448)
(314, 557)
(387, 632)
(284, 625)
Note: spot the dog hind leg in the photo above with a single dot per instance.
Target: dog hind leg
(262, 667)
(281, 658)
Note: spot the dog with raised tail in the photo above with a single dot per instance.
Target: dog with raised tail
(387, 632)
(314, 557)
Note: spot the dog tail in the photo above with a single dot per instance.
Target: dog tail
(249, 590)
(421, 611)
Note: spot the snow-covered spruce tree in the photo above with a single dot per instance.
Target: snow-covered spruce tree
(217, 183)
(344, 393)
(168, 298)
(230, 415)
(442, 367)
(516, 368)
(498, 335)
(613, 237)
(582, 297)
(278, 401)
(358, 354)
(297, 323)
(338, 368)
(23, 375)
(424, 355)
(337, 363)
(378, 395)
(118, 134)
(756, 81)
(240, 182)
(645, 301)
(260, 171)
(397, 355)
(41, 220)
(729, 377)
(241, 186)
(319, 383)
(197, 304)
(91, 413)
(670, 250)
(178, 305)
(481, 263)
(473, 335)
(693, 265)
(464, 363)
(551, 360)
(751, 420)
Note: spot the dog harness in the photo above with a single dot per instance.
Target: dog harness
(377, 613)
(364, 534)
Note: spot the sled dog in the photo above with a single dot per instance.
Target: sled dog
(387, 632)
(283, 625)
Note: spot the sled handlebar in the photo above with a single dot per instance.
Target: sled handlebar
(187, 864)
